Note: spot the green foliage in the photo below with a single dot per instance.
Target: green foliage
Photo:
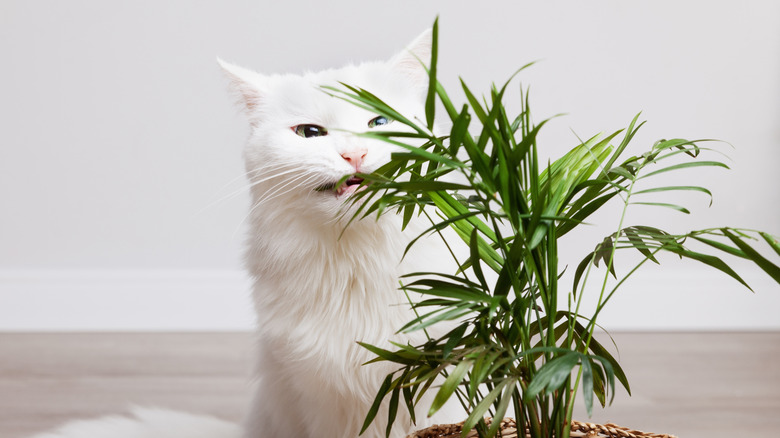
(513, 343)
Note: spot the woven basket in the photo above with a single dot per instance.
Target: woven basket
(509, 430)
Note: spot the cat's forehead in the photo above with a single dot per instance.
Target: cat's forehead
(303, 96)
(362, 75)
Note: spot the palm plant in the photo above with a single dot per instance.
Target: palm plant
(519, 338)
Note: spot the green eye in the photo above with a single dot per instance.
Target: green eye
(307, 131)
(378, 121)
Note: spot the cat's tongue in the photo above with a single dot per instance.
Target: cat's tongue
(349, 187)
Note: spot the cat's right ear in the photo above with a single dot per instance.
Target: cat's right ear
(247, 85)
(412, 62)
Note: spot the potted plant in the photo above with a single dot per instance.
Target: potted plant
(518, 337)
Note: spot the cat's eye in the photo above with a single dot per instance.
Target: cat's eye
(307, 131)
(378, 121)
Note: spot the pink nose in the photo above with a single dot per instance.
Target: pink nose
(354, 158)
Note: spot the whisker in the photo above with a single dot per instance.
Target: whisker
(302, 183)
(272, 191)
(262, 180)
(248, 175)
(280, 185)
(247, 187)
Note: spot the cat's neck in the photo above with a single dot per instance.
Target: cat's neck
(321, 264)
(288, 234)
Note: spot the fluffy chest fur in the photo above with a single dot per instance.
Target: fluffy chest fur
(317, 292)
(316, 296)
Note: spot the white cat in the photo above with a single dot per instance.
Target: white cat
(317, 291)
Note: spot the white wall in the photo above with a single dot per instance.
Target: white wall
(119, 147)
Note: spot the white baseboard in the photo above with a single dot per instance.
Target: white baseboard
(171, 300)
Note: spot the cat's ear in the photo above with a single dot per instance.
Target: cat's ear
(412, 61)
(248, 86)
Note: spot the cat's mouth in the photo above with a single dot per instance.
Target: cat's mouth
(348, 187)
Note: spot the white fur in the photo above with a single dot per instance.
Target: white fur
(148, 423)
(316, 290)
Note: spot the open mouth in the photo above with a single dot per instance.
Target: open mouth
(348, 187)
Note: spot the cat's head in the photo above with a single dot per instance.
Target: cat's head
(301, 144)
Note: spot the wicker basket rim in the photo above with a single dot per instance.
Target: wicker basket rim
(508, 429)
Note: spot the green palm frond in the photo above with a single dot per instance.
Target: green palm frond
(512, 343)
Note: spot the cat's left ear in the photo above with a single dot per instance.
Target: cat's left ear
(412, 60)
(248, 86)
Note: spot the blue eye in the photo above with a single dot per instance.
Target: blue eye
(307, 131)
(378, 121)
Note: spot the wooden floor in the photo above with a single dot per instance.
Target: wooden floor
(713, 385)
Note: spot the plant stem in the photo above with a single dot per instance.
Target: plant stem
(592, 324)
